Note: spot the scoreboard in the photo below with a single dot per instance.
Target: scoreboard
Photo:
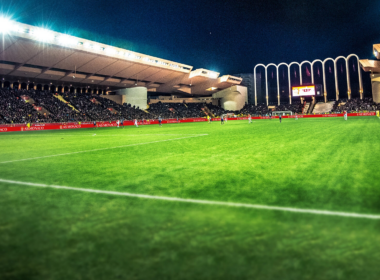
(303, 91)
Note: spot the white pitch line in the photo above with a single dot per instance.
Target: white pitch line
(102, 149)
(199, 201)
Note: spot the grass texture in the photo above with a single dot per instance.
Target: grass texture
(324, 164)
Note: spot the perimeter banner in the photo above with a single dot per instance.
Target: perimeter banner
(51, 126)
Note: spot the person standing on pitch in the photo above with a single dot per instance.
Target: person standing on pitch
(345, 115)
(296, 116)
(249, 119)
(117, 122)
(136, 123)
(225, 118)
(122, 123)
(280, 118)
(95, 124)
(159, 120)
(221, 120)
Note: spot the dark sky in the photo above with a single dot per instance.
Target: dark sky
(225, 36)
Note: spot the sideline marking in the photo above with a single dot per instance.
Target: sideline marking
(86, 151)
(199, 201)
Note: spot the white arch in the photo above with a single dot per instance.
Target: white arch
(336, 76)
(312, 73)
(278, 84)
(254, 80)
(312, 76)
(266, 79)
(359, 75)
(324, 75)
(290, 85)
(312, 69)
(302, 63)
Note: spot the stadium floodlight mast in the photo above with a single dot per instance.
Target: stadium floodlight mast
(312, 76)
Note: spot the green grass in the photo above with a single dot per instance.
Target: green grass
(324, 164)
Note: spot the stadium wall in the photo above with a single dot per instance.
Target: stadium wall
(54, 126)
(137, 96)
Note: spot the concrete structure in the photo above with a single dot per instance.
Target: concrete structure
(373, 67)
(137, 96)
(248, 82)
(233, 98)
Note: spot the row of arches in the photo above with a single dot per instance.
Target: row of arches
(50, 87)
(323, 63)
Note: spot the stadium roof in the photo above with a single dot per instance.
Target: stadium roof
(32, 53)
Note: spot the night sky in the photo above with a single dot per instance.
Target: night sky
(225, 36)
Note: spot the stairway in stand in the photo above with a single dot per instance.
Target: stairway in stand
(306, 108)
(207, 111)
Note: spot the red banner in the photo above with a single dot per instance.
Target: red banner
(49, 126)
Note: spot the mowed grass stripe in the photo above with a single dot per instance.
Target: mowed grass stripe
(199, 201)
(102, 149)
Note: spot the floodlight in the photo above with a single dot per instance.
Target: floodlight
(43, 35)
(5, 25)
(96, 47)
(67, 40)
(110, 51)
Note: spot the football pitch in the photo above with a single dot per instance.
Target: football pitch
(267, 200)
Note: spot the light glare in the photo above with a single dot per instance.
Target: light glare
(67, 40)
(5, 25)
(43, 35)
(110, 51)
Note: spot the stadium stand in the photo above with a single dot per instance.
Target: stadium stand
(295, 107)
(180, 110)
(125, 111)
(216, 111)
(259, 110)
(15, 109)
(34, 106)
(355, 105)
(59, 111)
